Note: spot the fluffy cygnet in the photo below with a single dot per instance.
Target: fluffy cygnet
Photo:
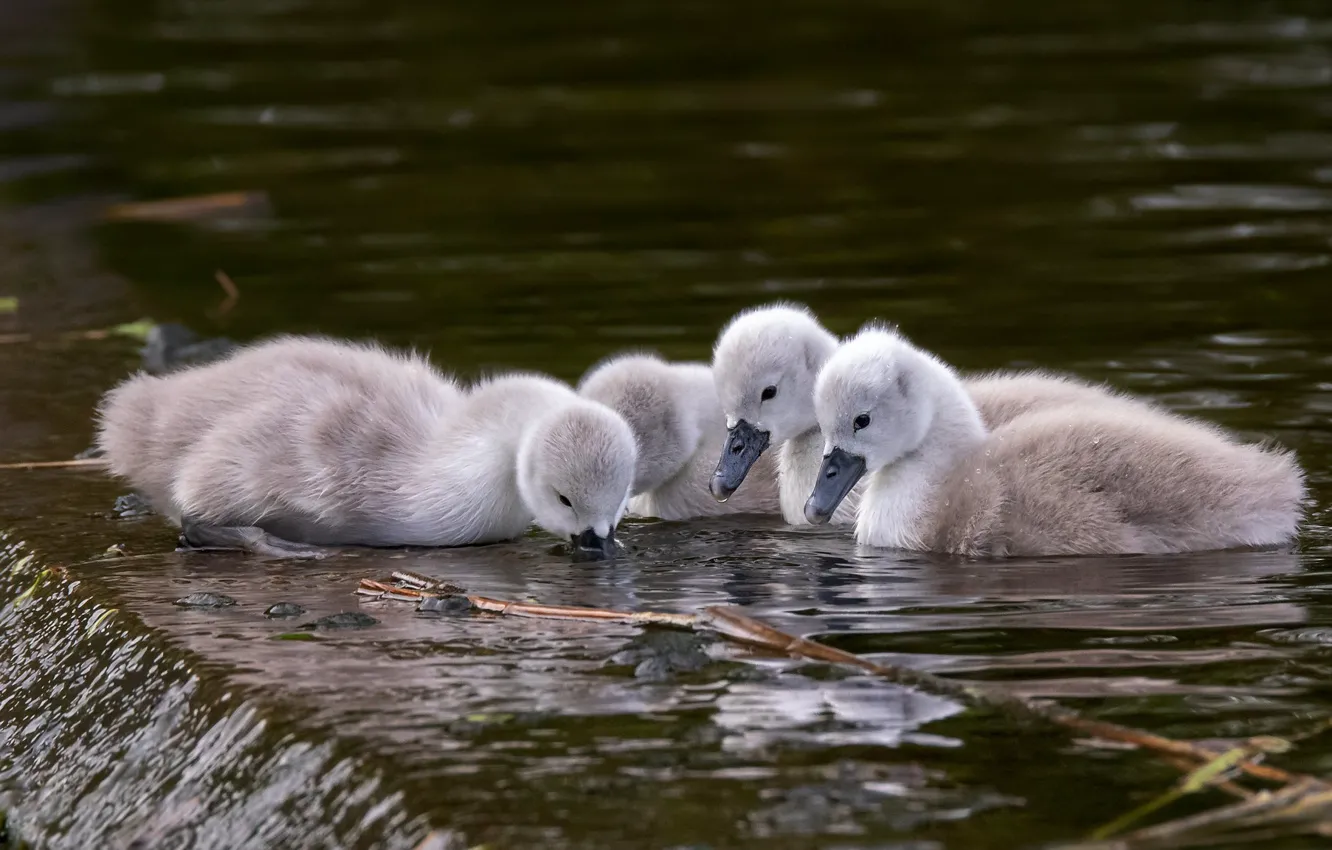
(765, 364)
(305, 440)
(1071, 479)
(677, 421)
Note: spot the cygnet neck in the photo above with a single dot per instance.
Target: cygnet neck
(820, 345)
(697, 395)
(798, 471)
(901, 495)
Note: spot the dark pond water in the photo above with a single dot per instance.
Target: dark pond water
(1133, 191)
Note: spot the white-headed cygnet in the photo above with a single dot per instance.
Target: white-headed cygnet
(1073, 479)
(765, 363)
(304, 440)
(677, 421)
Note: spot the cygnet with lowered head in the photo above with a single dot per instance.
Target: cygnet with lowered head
(765, 363)
(673, 411)
(1072, 479)
(305, 441)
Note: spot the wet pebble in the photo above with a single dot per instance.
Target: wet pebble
(445, 605)
(343, 620)
(131, 505)
(284, 609)
(205, 600)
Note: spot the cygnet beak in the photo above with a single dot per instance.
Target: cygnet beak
(838, 474)
(590, 546)
(744, 444)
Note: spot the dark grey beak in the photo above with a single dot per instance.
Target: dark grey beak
(839, 473)
(744, 444)
(587, 546)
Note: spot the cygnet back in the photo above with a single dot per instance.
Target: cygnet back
(1112, 478)
(148, 424)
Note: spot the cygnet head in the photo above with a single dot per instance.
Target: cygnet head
(575, 471)
(875, 406)
(646, 392)
(765, 363)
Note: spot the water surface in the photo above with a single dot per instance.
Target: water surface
(1136, 192)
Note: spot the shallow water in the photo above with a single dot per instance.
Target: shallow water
(1137, 192)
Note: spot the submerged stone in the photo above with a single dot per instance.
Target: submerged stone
(204, 599)
(657, 654)
(343, 620)
(171, 346)
(131, 505)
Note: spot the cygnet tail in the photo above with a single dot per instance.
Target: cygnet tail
(1275, 499)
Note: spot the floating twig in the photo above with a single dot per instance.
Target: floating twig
(1146, 740)
(229, 287)
(75, 463)
(1217, 770)
(426, 588)
(1304, 806)
(180, 209)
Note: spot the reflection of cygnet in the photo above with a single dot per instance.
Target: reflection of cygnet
(864, 711)
(312, 441)
(1077, 479)
(677, 422)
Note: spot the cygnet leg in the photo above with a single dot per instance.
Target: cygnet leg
(244, 538)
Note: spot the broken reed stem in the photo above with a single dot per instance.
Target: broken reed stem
(561, 612)
(1260, 815)
(742, 628)
(56, 464)
(230, 288)
(1183, 765)
(370, 587)
(1146, 740)
(228, 285)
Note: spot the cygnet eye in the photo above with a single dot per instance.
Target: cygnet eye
(564, 500)
(768, 394)
(861, 421)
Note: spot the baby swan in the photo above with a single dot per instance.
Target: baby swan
(1101, 478)
(304, 440)
(673, 411)
(765, 363)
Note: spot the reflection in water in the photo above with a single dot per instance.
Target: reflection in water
(1140, 197)
(1121, 618)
